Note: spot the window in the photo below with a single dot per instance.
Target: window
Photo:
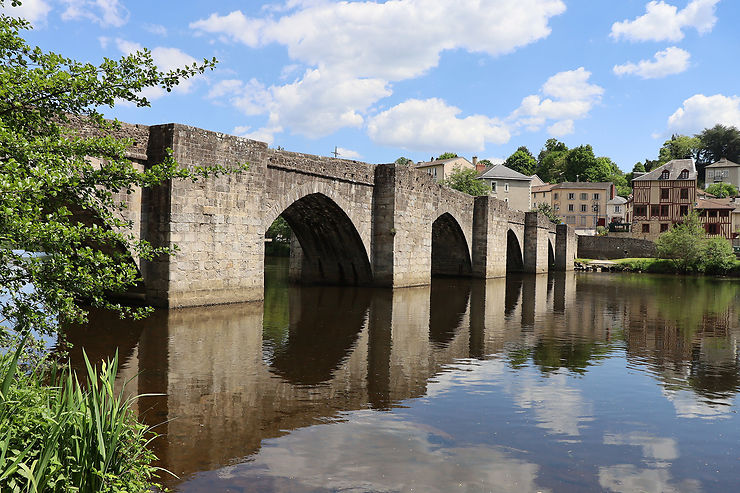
(684, 193)
(506, 187)
(506, 199)
(571, 196)
(617, 208)
(555, 196)
(646, 228)
(712, 213)
(712, 229)
(664, 175)
(493, 186)
(582, 221)
(557, 207)
(724, 213)
(664, 211)
(596, 196)
(640, 210)
(654, 210)
(663, 227)
(584, 196)
(570, 219)
(684, 210)
(583, 207)
(665, 193)
(684, 175)
(570, 208)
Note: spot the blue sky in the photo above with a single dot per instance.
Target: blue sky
(420, 77)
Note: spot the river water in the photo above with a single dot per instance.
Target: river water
(575, 382)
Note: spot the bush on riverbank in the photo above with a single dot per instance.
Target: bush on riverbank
(70, 436)
(667, 266)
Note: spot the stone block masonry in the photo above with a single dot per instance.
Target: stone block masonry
(353, 223)
(607, 247)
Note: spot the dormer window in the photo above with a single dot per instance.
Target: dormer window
(664, 175)
(684, 175)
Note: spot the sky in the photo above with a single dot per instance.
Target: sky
(416, 78)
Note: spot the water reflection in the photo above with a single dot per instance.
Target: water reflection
(527, 383)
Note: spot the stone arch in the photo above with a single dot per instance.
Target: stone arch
(550, 255)
(514, 257)
(332, 251)
(450, 251)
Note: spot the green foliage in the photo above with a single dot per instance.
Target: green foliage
(70, 436)
(446, 155)
(486, 163)
(722, 190)
(716, 143)
(522, 161)
(638, 167)
(404, 161)
(683, 244)
(551, 160)
(679, 147)
(718, 256)
(548, 211)
(50, 173)
(279, 232)
(466, 180)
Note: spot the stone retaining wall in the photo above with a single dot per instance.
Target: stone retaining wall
(606, 247)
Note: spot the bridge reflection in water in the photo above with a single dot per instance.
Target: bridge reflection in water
(236, 375)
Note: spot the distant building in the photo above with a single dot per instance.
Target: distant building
(542, 194)
(510, 186)
(537, 181)
(716, 216)
(663, 197)
(616, 210)
(441, 169)
(582, 204)
(723, 171)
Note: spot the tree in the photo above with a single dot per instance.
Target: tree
(548, 211)
(718, 256)
(47, 173)
(638, 168)
(466, 180)
(550, 161)
(679, 147)
(522, 161)
(722, 190)
(577, 162)
(404, 161)
(446, 155)
(716, 143)
(684, 244)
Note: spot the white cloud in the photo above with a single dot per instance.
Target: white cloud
(664, 22)
(700, 111)
(656, 448)
(566, 96)
(34, 11)
(350, 52)
(432, 125)
(670, 61)
(348, 153)
(103, 12)
(157, 29)
(165, 59)
(262, 134)
(316, 105)
(358, 39)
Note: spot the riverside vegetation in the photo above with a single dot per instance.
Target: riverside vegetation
(60, 431)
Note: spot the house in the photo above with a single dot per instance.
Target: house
(508, 185)
(723, 171)
(582, 204)
(616, 210)
(441, 169)
(542, 194)
(662, 197)
(716, 216)
(537, 181)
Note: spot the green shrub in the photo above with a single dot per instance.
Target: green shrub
(718, 257)
(70, 436)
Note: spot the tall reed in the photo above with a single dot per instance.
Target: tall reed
(70, 435)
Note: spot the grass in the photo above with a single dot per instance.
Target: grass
(654, 265)
(62, 435)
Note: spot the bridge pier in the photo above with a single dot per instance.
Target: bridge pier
(536, 237)
(566, 247)
(490, 227)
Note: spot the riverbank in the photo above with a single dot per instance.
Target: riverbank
(657, 266)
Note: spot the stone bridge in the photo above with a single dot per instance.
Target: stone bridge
(353, 223)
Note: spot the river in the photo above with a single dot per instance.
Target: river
(574, 382)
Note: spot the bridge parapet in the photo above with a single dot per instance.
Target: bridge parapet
(325, 167)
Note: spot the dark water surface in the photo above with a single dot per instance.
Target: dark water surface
(567, 383)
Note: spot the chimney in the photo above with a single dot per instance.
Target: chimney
(479, 167)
